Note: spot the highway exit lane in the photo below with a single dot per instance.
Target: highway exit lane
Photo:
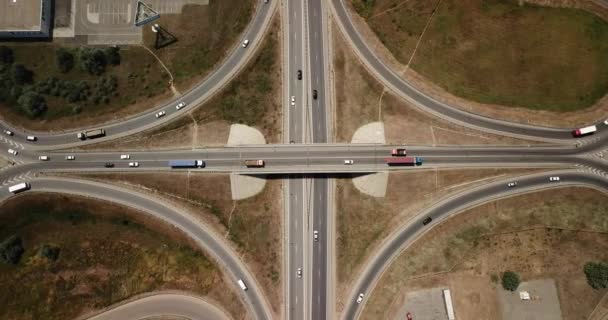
(406, 234)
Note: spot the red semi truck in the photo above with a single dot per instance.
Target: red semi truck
(404, 161)
(584, 131)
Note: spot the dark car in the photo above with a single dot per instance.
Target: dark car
(109, 165)
(427, 220)
(299, 74)
(314, 94)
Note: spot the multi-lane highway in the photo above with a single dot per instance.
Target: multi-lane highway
(235, 61)
(208, 240)
(308, 166)
(414, 228)
(296, 191)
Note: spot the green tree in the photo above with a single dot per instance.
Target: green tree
(65, 60)
(21, 75)
(510, 280)
(6, 55)
(93, 61)
(11, 250)
(32, 103)
(113, 55)
(597, 274)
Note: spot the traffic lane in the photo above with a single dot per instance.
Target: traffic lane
(319, 271)
(147, 120)
(454, 205)
(163, 305)
(296, 251)
(317, 74)
(295, 61)
(433, 105)
(204, 237)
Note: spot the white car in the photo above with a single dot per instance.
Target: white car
(31, 138)
(8, 132)
(70, 157)
(349, 161)
(133, 164)
(13, 152)
(43, 158)
(360, 298)
(512, 184)
(125, 157)
(160, 114)
(554, 179)
(180, 105)
(606, 122)
(299, 273)
(293, 101)
(245, 43)
(315, 235)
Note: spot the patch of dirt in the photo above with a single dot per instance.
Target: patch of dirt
(361, 99)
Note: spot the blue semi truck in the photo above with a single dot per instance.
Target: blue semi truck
(186, 164)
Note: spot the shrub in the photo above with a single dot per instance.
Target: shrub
(49, 252)
(93, 61)
(32, 103)
(65, 60)
(510, 280)
(21, 75)
(11, 250)
(6, 55)
(113, 55)
(597, 274)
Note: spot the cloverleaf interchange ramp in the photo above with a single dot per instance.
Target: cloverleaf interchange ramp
(318, 159)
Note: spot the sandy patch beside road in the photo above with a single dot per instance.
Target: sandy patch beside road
(241, 134)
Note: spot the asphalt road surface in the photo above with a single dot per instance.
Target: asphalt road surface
(160, 306)
(211, 243)
(296, 120)
(318, 108)
(389, 78)
(204, 90)
(406, 234)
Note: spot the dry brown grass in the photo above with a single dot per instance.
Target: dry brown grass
(532, 234)
(361, 99)
(537, 117)
(363, 221)
(108, 253)
(252, 226)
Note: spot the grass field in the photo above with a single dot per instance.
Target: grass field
(107, 254)
(535, 235)
(139, 76)
(363, 221)
(204, 34)
(498, 52)
(252, 98)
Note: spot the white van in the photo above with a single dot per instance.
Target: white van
(242, 285)
(43, 158)
(31, 138)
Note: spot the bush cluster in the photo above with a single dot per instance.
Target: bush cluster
(597, 274)
(510, 280)
(11, 250)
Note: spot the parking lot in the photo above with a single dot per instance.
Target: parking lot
(543, 305)
(425, 304)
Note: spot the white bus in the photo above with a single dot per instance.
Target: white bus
(449, 308)
(242, 285)
(19, 187)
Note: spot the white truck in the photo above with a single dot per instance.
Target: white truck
(19, 187)
(584, 131)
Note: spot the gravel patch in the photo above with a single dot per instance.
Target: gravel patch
(242, 134)
(243, 187)
(370, 133)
